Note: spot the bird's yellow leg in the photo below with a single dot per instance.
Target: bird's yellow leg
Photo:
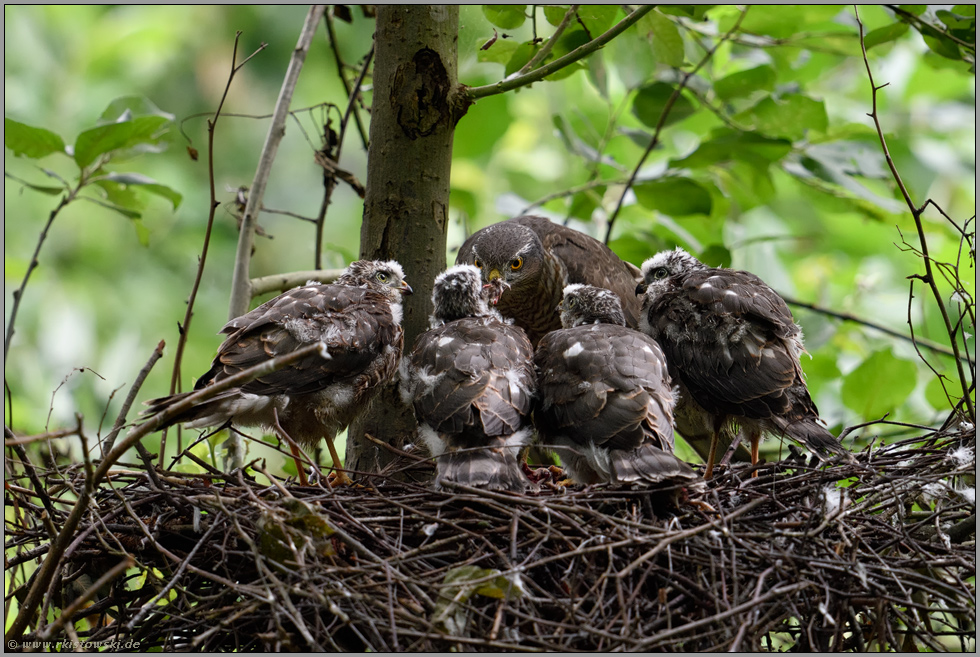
(338, 477)
(300, 470)
(717, 426)
(712, 451)
(293, 447)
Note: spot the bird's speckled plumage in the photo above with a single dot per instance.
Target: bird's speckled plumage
(471, 383)
(529, 260)
(733, 347)
(359, 320)
(606, 397)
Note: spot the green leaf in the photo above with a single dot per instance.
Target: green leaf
(522, 55)
(147, 184)
(789, 116)
(44, 189)
(915, 10)
(726, 145)
(936, 395)
(584, 203)
(29, 141)
(637, 246)
(569, 41)
(666, 41)
(879, 385)
(126, 108)
(142, 232)
(855, 158)
(743, 83)
(941, 45)
(885, 34)
(674, 196)
(834, 162)
(105, 139)
(507, 17)
(696, 12)
(597, 18)
(651, 99)
(500, 52)
(129, 213)
(716, 255)
(576, 144)
(554, 14)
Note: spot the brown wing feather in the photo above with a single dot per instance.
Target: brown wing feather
(589, 262)
(355, 323)
(478, 375)
(604, 384)
(732, 341)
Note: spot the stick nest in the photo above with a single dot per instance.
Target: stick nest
(880, 554)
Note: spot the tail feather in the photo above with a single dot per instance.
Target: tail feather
(647, 464)
(161, 404)
(214, 412)
(815, 436)
(493, 469)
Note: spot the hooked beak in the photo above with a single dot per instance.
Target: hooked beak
(405, 288)
(641, 288)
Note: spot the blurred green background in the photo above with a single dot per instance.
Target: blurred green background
(811, 209)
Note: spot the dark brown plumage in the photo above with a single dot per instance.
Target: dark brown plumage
(529, 260)
(471, 383)
(359, 320)
(605, 396)
(734, 350)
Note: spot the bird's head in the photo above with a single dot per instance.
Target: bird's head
(508, 255)
(586, 304)
(384, 276)
(459, 292)
(663, 267)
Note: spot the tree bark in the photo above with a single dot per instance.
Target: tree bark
(414, 112)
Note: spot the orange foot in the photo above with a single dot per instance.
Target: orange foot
(338, 478)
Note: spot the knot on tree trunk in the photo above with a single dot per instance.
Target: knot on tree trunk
(420, 95)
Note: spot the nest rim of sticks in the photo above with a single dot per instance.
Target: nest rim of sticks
(843, 556)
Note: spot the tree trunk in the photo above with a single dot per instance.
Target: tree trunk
(413, 115)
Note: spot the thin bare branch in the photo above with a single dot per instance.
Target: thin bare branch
(848, 317)
(929, 278)
(289, 280)
(517, 81)
(32, 265)
(184, 327)
(240, 294)
(550, 43)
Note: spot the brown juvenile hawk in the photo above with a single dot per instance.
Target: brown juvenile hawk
(734, 350)
(471, 382)
(358, 318)
(605, 396)
(529, 260)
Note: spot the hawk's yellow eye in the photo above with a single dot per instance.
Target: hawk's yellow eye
(477, 263)
(660, 272)
(517, 263)
(382, 276)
